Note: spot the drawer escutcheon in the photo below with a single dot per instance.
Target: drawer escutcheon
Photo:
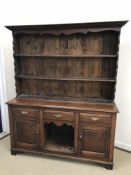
(94, 118)
(58, 115)
(24, 112)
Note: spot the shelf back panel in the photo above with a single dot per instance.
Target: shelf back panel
(73, 65)
(92, 43)
(68, 89)
(66, 67)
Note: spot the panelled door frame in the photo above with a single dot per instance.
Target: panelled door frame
(27, 121)
(94, 128)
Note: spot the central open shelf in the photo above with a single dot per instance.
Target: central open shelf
(59, 138)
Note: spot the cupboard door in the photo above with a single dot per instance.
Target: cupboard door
(26, 133)
(94, 141)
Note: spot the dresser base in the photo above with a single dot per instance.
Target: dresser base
(107, 165)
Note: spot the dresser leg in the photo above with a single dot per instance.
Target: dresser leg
(13, 152)
(109, 167)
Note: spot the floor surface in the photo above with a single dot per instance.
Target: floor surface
(26, 164)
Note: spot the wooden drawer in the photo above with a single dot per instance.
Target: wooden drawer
(95, 118)
(25, 112)
(58, 115)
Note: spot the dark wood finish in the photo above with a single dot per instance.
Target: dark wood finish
(75, 66)
(95, 118)
(26, 133)
(25, 113)
(13, 152)
(76, 125)
(109, 167)
(112, 137)
(67, 105)
(59, 138)
(58, 115)
(65, 83)
(66, 56)
(94, 141)
(41, 130)
(48, 63)
(65, 79)
(115, 25)
(66, 75)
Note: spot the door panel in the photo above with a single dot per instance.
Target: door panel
(94, 140)
(26, 133)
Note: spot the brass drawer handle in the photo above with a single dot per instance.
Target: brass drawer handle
(24, 112)
(94, 119)
(58, 115)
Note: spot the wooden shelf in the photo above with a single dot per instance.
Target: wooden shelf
(58, 98)
(51, 146)
(66, 56)
(67, 66)
(65, 78)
